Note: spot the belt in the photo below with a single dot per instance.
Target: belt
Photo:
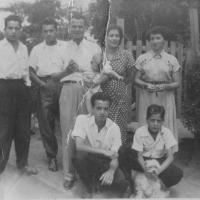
(70, 81)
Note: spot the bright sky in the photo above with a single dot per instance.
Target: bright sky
(5, 3)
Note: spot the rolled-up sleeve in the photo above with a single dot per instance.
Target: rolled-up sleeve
(117, 142)
(79, 130)
(33, 59)
(169, 139)
(137, 143)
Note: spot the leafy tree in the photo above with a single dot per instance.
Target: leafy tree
(99, 14)
(140, 15)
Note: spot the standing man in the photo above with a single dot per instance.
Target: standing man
(14, 97)
(79, 53)
(46, 65)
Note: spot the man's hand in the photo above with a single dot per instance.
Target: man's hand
(107, 177)
(110, 154)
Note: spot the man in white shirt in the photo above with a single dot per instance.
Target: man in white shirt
(47, 66)
(97, 141)
(152, 149)
(14, 97)
(79, 52)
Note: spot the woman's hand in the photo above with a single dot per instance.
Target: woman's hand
(151, 87)
(161, 87)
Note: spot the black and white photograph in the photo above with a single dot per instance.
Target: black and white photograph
(99, 99)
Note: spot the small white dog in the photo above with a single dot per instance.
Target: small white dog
(148, 184)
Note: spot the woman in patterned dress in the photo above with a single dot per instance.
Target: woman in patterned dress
(122, 62)
(158, 77)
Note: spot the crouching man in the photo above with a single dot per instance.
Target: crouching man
(152, 149)
(97, 141)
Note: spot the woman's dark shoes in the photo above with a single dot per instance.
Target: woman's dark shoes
(53, 166)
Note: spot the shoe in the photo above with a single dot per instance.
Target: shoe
(68, 184)
(127, 193)
(53, 166)
(29, 170)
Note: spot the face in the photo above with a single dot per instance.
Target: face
(113, 38)
(77, 28)
(12, 31)
(100, 110)
(49, 33)
(157, 42)
(95, 62)
(154, 123)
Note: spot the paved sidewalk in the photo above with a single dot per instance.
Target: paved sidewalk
(48, 185)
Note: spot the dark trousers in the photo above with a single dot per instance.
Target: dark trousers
(90, 167)
(128, 160)
(48, 111)
(14, 121)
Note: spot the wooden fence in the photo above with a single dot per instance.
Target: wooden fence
(173, 48)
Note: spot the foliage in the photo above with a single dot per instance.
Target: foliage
(99, 18)
(140, 15)
(191, 104)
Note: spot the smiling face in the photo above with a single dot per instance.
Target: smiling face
(49, 33)
(77, 29)
(154, 123)
(113, 38)
(12, 31)
(100, 110)
(157, 42)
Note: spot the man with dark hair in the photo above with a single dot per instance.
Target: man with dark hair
(79, 53)
(14, 97)
(152, 145)
(97, 141)
(47, 66)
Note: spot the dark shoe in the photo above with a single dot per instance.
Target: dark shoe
(29, 170)
(68, 184)
(53, 166)
(127, 193)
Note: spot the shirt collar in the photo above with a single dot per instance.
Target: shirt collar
(160, 133)
(160, 55)
(45, 44)
(7, 43)
(93, 123)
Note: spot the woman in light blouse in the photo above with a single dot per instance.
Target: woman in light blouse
(157, 77)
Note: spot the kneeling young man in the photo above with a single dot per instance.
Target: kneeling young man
(97, 143)
(152, 143)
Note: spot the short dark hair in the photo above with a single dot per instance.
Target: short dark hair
(78, 16)
(13, 18)
(155, 109)
(118, 28)
(49, 21)
(158, 30)
(99, 96)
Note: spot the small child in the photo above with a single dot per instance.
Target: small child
(90, 77)
(107, 69)
(99, 67)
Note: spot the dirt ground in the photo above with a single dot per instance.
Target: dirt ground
(48, 185)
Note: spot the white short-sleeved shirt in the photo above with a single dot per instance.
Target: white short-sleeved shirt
(82, 54)
(47, 60)
(144, 142)
(14, 65)
(109, 138)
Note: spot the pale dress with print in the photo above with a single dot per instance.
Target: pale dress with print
(158, 69)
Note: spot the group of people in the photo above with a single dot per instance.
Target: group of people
(85, 88)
